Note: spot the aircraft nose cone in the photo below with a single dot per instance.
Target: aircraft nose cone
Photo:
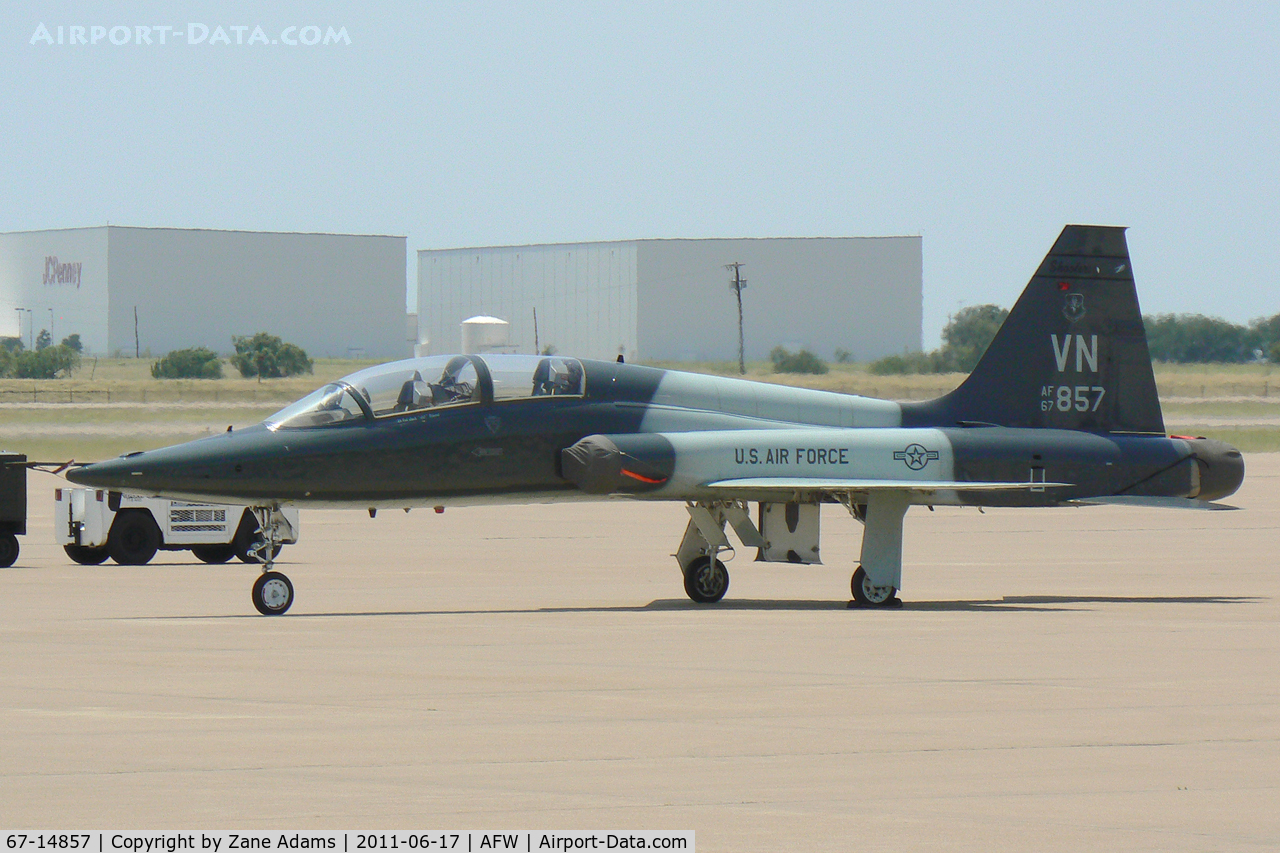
(150, 472)
(225, 465)
(111, 474)
(1221, 468)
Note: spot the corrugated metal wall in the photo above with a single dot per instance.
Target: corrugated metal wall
(585, 296)
(335, 295)
(669, 300)
(862, 295)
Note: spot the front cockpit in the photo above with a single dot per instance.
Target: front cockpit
(433, 382)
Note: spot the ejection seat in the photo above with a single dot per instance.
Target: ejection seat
(410, 395)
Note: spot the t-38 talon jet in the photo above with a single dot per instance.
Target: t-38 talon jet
(1061, 410)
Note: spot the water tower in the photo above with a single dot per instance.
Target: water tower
(485, 334)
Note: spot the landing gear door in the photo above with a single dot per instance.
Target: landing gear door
(791, 533)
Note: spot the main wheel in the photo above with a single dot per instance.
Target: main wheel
(868, 594)
(213, 553)
(134, 538)
(272, 593)
(86, 556)
(8, 550)
(706, 583)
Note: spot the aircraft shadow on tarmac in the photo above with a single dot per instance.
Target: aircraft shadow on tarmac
(1008, 604)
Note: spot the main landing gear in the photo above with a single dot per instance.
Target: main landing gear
(877, 579)
(272, 591)
(792, 537)
(867, 594)
(706, 580)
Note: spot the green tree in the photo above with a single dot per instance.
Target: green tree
(44, 340)
(48, 363)
(799, 362)
(968, 335)
(1275, 352)
(194, 363)
(12, 345)
(1195, 338)
(965, 339)
(1266, 331)
(73, 342)
(263, 355)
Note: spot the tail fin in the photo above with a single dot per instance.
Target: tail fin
(1071, 355)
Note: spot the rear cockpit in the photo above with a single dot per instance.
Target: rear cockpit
(433, 382)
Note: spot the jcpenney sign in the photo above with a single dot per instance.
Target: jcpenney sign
(60, 273)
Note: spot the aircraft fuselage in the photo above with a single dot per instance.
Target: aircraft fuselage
(1062, 408)
(698, 429)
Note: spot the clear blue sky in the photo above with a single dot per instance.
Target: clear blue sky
(982, 127)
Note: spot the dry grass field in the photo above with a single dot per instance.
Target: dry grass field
(111, 406)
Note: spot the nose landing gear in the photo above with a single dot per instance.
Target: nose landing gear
(272, 591)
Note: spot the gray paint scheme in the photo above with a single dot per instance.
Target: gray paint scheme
(703, 459)
(766, 401)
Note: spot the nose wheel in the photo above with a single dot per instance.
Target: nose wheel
(272, 593)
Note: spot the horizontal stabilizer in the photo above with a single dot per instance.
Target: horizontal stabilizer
(812, 484)
(1153, 502)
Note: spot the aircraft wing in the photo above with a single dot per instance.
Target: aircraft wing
(1155, 502)
(789, 485)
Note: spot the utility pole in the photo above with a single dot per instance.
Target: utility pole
(736, 286)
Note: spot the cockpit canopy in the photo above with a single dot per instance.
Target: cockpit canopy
(433, 382)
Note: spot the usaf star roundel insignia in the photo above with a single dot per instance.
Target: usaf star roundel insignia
(916, 456)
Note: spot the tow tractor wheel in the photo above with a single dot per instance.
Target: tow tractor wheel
(272, 593)
(213, 553)
(134, 538)
(705, 583)
(86, 556)
(8, 550)
(869, 595)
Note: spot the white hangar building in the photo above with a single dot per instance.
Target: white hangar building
(334, 295)
(671, 300)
